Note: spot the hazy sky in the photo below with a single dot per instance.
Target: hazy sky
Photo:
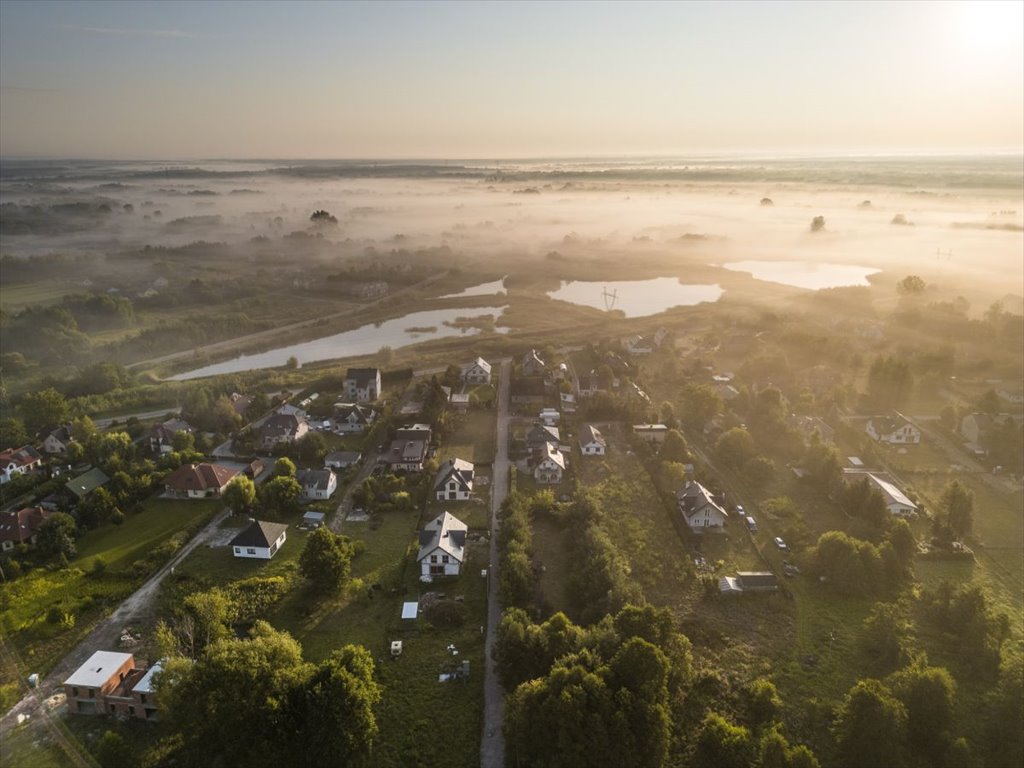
(483, 80)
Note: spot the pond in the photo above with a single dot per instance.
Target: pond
(394, 333)
(484, 289)
(636, 298)
(812, 275)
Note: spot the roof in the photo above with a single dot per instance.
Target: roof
(313, 517)
(461, 469)
(21, 525)
(590, 434)
(650, 428)
(756, 579)
(199, 477)
(410, 610)
(542, 433)
(362, 414)
(320, 479)
(531, 358)
(88, 482)
(445, 532)
(893, 495)
(695, 497)
(458, 398)
(167, 430)
(342, 457)
(259, 534)
(61, 433)
(549, 451)
(20, 456)
(98, 669)
(729, 585)
(362, 376)
(886, 425)
(145, 685)
(281, 424)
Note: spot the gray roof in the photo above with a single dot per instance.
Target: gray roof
(259, 534)
(541, 433)
(281, 424)
(695, 498)
(320, 479)
(98, 669)
(462, 471)
(90, 481)
(445, 532)
(145, 685)
(362, 376)
(342, 457)
(892, 494)
(589, 434)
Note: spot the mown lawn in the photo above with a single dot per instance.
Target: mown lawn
(473, 439)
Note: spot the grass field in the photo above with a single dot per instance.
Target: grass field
(81, 597)
(473, 439)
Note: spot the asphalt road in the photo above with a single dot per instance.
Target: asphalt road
(492, 743)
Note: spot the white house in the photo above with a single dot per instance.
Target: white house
(651, 433)
(282, 428)
(550, 416)
(341, 459)
(260, 540)
(894, 430)
(57, 440)
(161, 437)
(19, 461)
(317, 483)
(454, 481)
(549, 465)
(363, 384)
(592, 442)
(442, 547)
(352, 418)
(409, 448)
(477, 372)
(700, 510)
(895, 500)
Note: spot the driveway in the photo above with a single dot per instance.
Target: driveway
(492, 743)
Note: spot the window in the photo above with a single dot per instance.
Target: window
(433, 558)
(131, 711)
(273, 549)
(142, 697)
(444, 558)
(92, 694)
(250, 551)
(74, 692)
(238, 550)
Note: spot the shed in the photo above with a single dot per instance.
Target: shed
(410, 610)
(313, 519)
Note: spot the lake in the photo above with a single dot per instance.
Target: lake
(804, 274)
(636, 298)
(359, 341)
(484, 289)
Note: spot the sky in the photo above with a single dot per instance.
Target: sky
(507, 80)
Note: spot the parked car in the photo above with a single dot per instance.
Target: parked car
(780, 543)
(751, 524)
(741, 511)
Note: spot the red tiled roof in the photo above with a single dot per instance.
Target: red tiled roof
(199, 477)
(21, 525)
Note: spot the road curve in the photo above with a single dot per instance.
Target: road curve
(492, 743)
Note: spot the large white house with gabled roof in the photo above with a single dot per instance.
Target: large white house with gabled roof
(477, 372)
(700, 510)
(442, 547)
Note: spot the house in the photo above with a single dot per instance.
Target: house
(651, 433)
(568, 401)
(540, 435)
(549, 416)
(477, 372)
(409, 449)
(352, 418)
(749, 581)
(442, 547)
(240, 402)
(524, 391)
(454, 481)
(895, 500)
(19, 461)
(459, 401)
(317, 483)
(58, 439)
(199, 481)
(86, 483)
(548, 464)
(809, 425)
(592, 442)
(591, 383)
(893, 429)
(363, 384)
(261, 540)
(699, 509)
(161, 436)
(532, 364)
(109, 683)
(253, 469)
(20, 527)
(282, 428)
(342, 459)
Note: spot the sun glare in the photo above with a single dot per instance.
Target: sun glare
(992, 25)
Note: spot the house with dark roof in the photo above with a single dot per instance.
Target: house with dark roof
(317, 483)
(363, 384)
(540, 435)
(161, 436)
(454, 481)
(19, 461)
(409, 449)
(592, 442)
(282, 428)
(199, 481)
(261, 540)
(548, 464)
(21, 526)
(57, 439)
(532, 364)
(477, 372)
(352, 418)
(86, 483)
(442, 547)
(895, 430)
(700, 510)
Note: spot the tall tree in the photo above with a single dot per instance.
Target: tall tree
(957, 506)
(240, 494)
(871, 727)
(327, 559)
(46, 407)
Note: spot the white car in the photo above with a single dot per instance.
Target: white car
(741, 511)
(780, 543)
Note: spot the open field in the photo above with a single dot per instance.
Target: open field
(472, 439)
